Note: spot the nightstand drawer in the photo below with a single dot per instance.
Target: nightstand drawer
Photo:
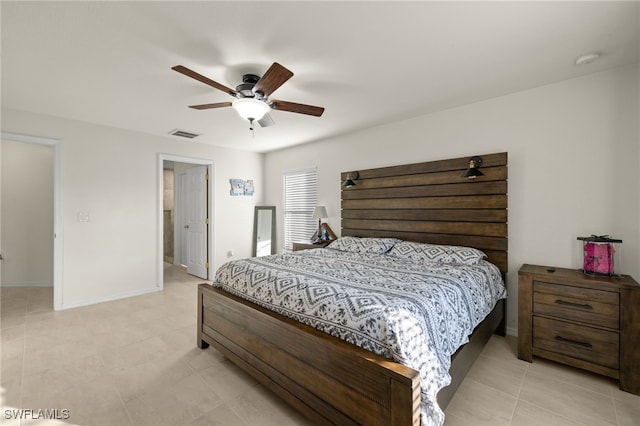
(589, 306)
(590, 344)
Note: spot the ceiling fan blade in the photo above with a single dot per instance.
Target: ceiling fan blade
(299, 108)
(275, 76)
(201, 78)
(266, 121)
(209, 106)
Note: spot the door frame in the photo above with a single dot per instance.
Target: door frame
(57, 207)
(210, 250)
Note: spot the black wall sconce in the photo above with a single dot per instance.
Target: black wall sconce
(349, 181)
(474, 168)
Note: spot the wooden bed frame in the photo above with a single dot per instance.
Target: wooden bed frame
(331, 381)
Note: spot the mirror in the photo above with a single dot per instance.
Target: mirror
(264, 231)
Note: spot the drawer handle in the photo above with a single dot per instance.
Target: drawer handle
(573, 342)
(575, 305)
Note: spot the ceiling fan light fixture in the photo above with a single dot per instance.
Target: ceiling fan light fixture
(251, 97)
(250, 109)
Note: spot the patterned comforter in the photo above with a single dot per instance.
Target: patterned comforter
(416, 314)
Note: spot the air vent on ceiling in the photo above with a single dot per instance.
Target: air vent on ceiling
(183, 134)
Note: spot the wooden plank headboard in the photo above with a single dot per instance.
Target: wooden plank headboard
(431, 202)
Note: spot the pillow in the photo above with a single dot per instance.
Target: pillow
(363, 245)
(436, 253)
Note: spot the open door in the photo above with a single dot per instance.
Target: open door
(196, 221)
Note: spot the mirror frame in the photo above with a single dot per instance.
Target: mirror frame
(257, 209)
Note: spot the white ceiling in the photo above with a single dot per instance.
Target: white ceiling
(367, 63)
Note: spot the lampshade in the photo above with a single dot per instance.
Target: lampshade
(320, 212)
(250, 109)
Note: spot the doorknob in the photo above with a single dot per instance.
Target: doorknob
(186, 227)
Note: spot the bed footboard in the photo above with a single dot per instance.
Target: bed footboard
(326, 379)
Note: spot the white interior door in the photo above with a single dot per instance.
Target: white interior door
(180, 248)
(196, 221)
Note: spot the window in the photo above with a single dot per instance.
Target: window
(300, 198)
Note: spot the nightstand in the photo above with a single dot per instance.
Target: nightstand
(589, 322)
(304, 246)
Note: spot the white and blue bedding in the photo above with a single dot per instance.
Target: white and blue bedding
(417, 313)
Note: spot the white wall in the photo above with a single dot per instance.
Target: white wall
(27, 214)
(113, 175)
(574, 151)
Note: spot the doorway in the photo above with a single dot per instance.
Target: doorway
(186, 203)
(57, 200)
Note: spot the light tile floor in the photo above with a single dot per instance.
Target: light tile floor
(135, 362)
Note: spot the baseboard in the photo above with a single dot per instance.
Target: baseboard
(109, 298)
(27, 284)
(512, 331)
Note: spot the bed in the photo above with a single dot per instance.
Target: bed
(326, 378)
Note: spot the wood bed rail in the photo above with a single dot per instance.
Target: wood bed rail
(325, 378)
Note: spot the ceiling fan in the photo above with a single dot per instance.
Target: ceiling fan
(252, 96)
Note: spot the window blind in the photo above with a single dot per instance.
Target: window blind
(300, 198)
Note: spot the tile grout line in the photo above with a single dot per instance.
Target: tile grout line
(615, 407)
(515, 407)
(24, 356)
(126, 410)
